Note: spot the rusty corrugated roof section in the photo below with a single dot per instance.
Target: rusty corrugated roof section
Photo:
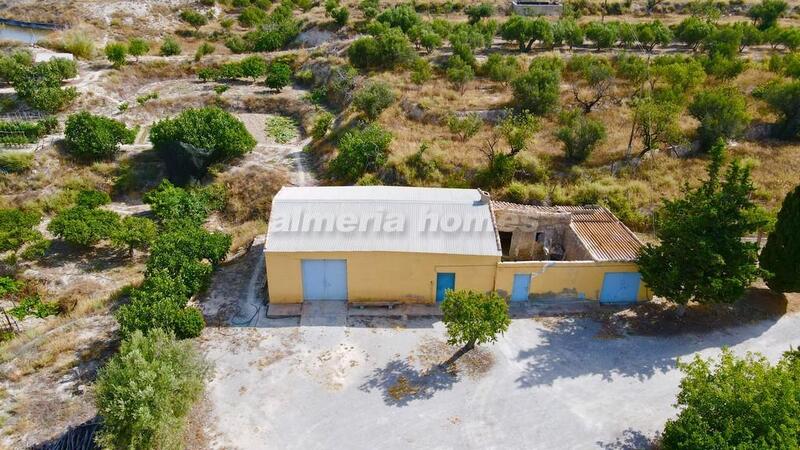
(603, 235)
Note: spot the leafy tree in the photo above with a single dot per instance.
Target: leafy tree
(401, 16)
(477, 12)
(279, 75)
(692, 31)
(173, 204)
(722, 113)
(138, 47)
(421, 71)
(84, 226)
(653, 33)
(152, 417)
(279, 30)
(198, 137)
(603, 35)
(17, 228)
(784, 99)
(170, 47)
(567, 31)
(781, 256)
(322, 123)
(188, 255)
(789, 37)
(592, 80)
(459, 72)
(134, 233)
(39, 85)
(501, 69)
(193, 18)
(673, 78)
(765, 15)
(580, 135)
(203, 50)
(387, 50)
(464, 127)
(361, 151)
(751, 35)
(736, 403)
(116, 52)
(701, 255)
(253, 67)
(472, 318)
(91, 198)
(537, 90)
(373, 98)
(526, 31)
(655, 123)
(90, 138)
(340, 15)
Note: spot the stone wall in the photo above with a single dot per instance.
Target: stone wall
(524, 225)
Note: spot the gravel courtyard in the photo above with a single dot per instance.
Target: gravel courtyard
(547, 384)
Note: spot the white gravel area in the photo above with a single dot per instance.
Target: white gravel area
(546, 384)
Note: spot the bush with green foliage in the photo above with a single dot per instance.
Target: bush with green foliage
(173, 204)
(17, 228)
(279, 29)
(152, 417)
(252, 16)
(91, 198)
(193, 18)
(170, 47)
(464, 127)
(279, 75)
(32, 305)
(701, 255)
(567, 31)
(84, 226)
(138, 47)
(601, 34)
(580, 135)
(501, 69)
(537, 90)
(116, 52)
(477, 12)
(361, 151)
(204, 49)
(737, 403)
(421, 71)
(91, 138)
(322, 123)
(459, 72)
(722, 113)
(400, 16)
(24, 132)
(783, 97)
(373, 98)
(656, 123)
(134, 233)
(389, 49)
(526, 31)
(39, 85)
(693, 31)
(15, 162)
(781, 255)
(766, 13)
(473, 318)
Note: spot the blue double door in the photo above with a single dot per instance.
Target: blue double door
(620, 287)
(324, 279)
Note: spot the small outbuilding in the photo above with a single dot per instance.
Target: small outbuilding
(410, 245)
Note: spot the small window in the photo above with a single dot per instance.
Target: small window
(540, 236)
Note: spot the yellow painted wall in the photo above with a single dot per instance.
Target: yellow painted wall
(382, 276)
(564, 278)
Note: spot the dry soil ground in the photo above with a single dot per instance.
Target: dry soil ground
(547, 383)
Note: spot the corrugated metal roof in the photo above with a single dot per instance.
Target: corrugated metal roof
(381, 218)
(603, 235)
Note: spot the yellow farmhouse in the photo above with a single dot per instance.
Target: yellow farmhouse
(410, 245)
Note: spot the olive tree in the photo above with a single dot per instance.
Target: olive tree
(473, 318)
(173, 373)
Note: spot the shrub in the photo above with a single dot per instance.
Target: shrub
(187, 254)
(459, 73)
(116, 52)
(766, 13)
(736, 403)
(603, 35)
(16, 162)
(501, 69)
(252, 67)
(478, 12)
(198, 137)
(781, 256)
(537, 90)
(39, 85)
(90, 138)
(144, 98)
(722, 113)
(373, 98)
(464, 127)
(282, 129)
(170, 47)
(79, 44)
(204, 49)
(17, 227)
(91, 198)
(387, 50)
(279, 75)
(138, 47)
(580, 135)
(693, 31)
(784, 99)
(420, 71)
(193, 18)
(84, 226)
(134, 233)
(150, 418)
(401, 16)
(361, 151)
(173, 204)
(322, 123)
(236, 44)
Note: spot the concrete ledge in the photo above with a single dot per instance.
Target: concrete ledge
(400, 310)
(281, 310)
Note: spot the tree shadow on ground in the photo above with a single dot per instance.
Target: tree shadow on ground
(95, 259)
(630, 440)
(78, 437)
(575, 347)
(400, 382)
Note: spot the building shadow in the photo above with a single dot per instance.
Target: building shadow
(80, 437)
(630, 440)
(576, 347)
(400, 383)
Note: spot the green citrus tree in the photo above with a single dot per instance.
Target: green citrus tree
(473, 318)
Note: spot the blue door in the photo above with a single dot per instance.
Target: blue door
(444, 281)
(324, 279)
(620, 287)
(521, 287)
